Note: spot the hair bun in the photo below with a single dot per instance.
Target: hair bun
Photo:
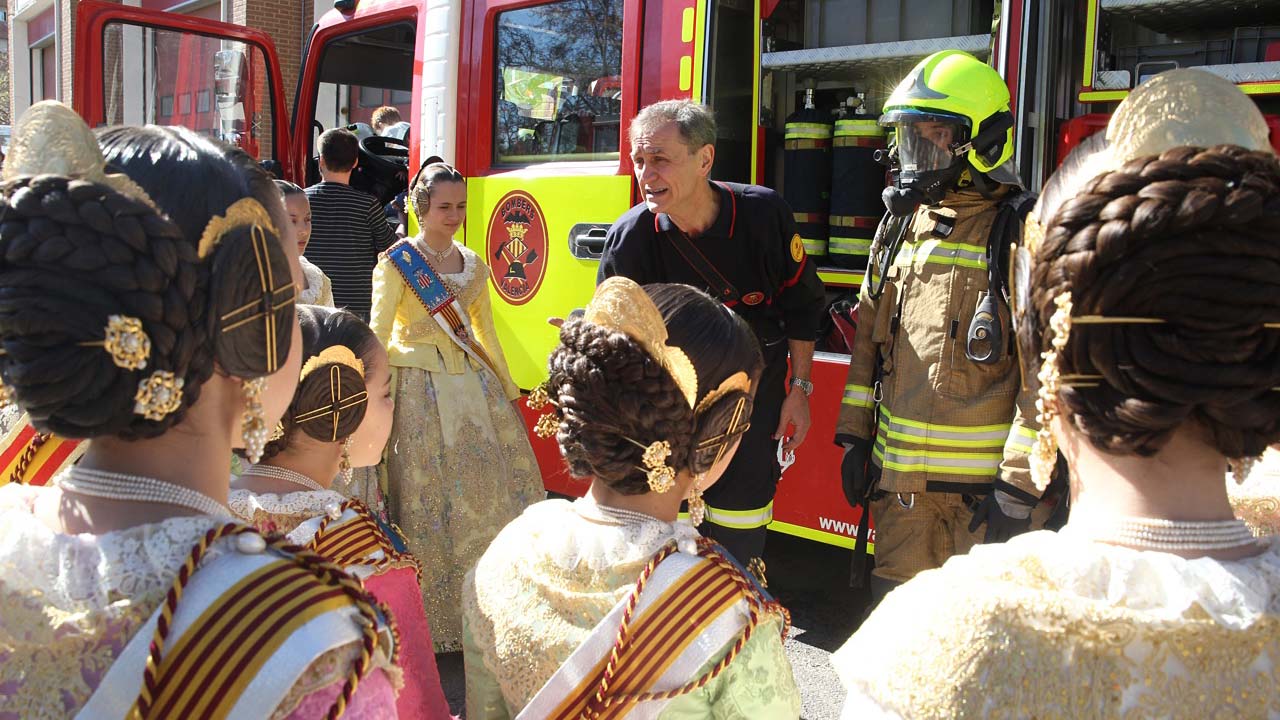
(73, 254)
(330, 401)
(252, 290)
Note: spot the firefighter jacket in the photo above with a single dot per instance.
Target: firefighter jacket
(945, 423)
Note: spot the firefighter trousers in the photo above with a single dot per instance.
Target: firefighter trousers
(919, 531)
(740, 504)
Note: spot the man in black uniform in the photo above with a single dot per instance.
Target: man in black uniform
(739, 243)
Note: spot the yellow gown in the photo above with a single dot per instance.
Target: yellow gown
(1052, 625)
(458, 466)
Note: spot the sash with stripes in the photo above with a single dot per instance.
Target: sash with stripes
(437, 298)
(691, 608)
(31, 457)
(245, 629)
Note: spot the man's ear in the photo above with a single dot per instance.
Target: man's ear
(706, 158)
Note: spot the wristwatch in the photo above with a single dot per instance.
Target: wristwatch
(805, 386)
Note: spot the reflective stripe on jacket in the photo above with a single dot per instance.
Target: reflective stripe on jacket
(945, 421)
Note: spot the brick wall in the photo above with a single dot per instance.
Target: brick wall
(284, 21)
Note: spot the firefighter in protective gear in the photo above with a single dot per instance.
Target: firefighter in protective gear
(936, 438)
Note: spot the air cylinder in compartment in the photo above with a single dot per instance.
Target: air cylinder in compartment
(856, 182)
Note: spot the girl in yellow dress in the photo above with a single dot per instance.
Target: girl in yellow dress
(459, 466)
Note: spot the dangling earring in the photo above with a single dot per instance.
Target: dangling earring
(697, 507)
(1044, 453)
(253, 428)
(344, 465)
(1241, 467)
(6, 392)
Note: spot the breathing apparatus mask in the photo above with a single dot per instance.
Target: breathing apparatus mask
(930, 153)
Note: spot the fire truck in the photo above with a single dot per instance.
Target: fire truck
(531, 100)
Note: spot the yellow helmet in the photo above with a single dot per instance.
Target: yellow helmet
(961, 103)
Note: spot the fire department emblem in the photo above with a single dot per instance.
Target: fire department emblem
(754, 298)
(797, 248)
(517, 247)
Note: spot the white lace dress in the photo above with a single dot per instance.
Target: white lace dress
(72, 602)
(1052, 625)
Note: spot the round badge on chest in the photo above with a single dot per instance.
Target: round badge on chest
(754, 298)
(797, 248)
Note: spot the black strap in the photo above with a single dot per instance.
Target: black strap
(858, 565)
(720, 286)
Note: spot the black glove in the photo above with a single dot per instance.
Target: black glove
(1000, 527)
(853, 471)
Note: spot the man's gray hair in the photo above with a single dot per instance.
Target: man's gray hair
(696, 122)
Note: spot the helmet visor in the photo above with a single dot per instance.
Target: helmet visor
(927, 145)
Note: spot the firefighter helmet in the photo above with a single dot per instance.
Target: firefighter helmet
(964, 101)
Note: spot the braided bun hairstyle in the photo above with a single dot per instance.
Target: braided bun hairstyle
(433, 171)
(610, 391)
(75, 252)
(324, 328)
(1192, 237)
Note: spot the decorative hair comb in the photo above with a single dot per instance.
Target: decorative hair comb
(339, 354)
(623, 306)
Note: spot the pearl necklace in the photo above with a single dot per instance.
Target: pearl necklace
(1170, 535)
(597, 511)
(285, 474)
(137, 488)
(439, 254)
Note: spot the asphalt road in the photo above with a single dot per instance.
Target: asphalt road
(811, 580)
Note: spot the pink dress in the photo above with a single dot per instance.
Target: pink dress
(346, 532)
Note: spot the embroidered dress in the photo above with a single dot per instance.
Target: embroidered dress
(349, 527)
(1257, 500)
(1052, 625)
(548, 580)
(319, 290)
(73, 602)
(458, 465)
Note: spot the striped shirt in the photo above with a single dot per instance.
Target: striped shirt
(348, 230)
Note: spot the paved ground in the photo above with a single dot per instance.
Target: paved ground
(812, 581)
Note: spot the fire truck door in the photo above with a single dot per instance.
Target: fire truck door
(136, 66)
(547, 91)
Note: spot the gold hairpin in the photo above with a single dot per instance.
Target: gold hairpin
(661, 476)
(735, 429)
(337, 404)
(126, 342)
(539, 397)
(334, 354)
(549, 422)
(159, 395)
(277, 293)
(621, 305)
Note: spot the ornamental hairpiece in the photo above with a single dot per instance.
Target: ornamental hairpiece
(549, 422)
(245, 212)
(158, 396)
(661, 476)
(334, 354)
(623, 306)
(334, 357)
(126, 342)
(278, 293)
(51, 139)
